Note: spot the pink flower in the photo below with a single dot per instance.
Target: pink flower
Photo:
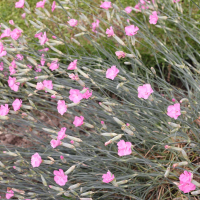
(106, 5)
(110, 32)
(128, 9)
(173, 100)
(19, 4)
(2, 50)
(174, 111)
(187, 187)
(54, 65)
(4, 110)
(40, 4)
(53, 6)
(54, 37)
(19, 57)
(62, 108)
(166, 146)
(72, 65)
(60, 178)
(72, 141)
(38, 69)
(131, 30)
(75, 95)
(14, 64)
(48, 84)
(153, 18)
(13, 84)
(78, 121)
(6, 33)
(124, 148)
(23, 15)
(108, 177)
(72, 22)
(53, 96)
(185, 182)
(42, 61)
(87, 94)
(29, 66)
(61, 157)
(1, 66)
(137, 6)
(36, 160)
(73, 76)
(45, 49)
(9, 194)
(55, 143)
(144, 91)
(95, 25)
(112, 72)
(40, 86)
(61, 133)
(15, 34)
(43, 39)
(120, 54)
(176, 1)
(38, 35)
(12, 70)
(17, 104)
(11, 22)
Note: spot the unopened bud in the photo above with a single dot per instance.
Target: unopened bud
(48, 162)
(87, 193)
(88, 125)
(10, 153)
(195, 192)
(185, 155)
(109, 134)
(167, 172)
(174, 125)
(74, 186)
(119, 40)
(107, 108)
(68, 145)
(74, 138)
(118, 121)
(70, 169)
(180, 164)
(55, 188)
(122, 182)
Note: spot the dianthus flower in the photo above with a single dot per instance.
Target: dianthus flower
(72, 65)
(144, 91)
(78, 121)
(36, 160)
(17, 104)
(106, 5)
(112, 72)
(185, 182)
(124, 148)
(60, 178)
(153, 18)
(174, 111)
(62, 108)
(75, 95)
(108, 177)
(131, 30)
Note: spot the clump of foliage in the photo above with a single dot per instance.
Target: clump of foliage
(124, 131)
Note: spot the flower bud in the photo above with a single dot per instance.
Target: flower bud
(48, 162)
(82, 73)
(109, 134)
(56, 188)
(174, 125)
(118, 121)
(73, 138)
(180, 164)
(88, 125)
(87, 193)
(70, 169)
(74, 186)
(122, 182)
(167, 172)
(107, 108)
(119, 40)
(43, 180)
(68, 145)
(195, 192)
(184, 100)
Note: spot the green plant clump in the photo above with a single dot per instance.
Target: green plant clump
(99, 120)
